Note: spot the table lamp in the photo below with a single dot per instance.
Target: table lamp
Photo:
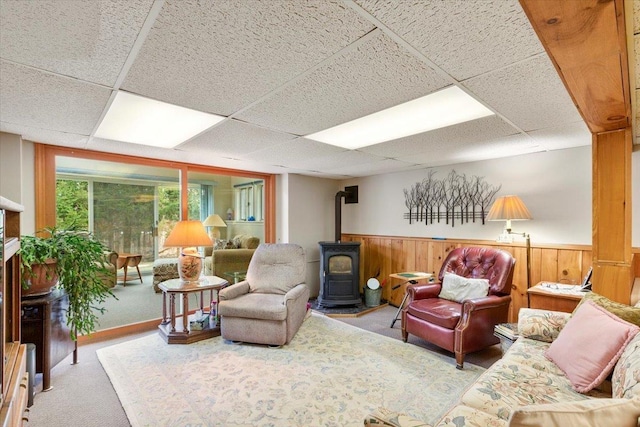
(512, 208)
(215, 222)
(187, 235)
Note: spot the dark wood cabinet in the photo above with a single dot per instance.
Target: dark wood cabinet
(13, 373)
(44, 324)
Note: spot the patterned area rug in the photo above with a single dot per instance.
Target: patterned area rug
(331, 374)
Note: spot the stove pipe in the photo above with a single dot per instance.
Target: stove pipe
(339, 195)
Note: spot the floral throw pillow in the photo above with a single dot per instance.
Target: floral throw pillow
(221, 244)
(541, 325)
(625, 381)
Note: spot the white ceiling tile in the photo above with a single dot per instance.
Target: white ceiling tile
(567, 135)
(220, 56)
(375, 168)
(465, 38)
(511, 145)
(334, 161)
(294, 154)
(378, 74)
(42, 100)
(529, 93)
(46, 136)
(235, 139)
(89, 40)
(475, 131)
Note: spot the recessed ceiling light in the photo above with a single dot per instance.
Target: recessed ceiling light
(444, 108)
(138, 120)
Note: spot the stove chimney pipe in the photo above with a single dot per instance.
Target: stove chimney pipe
(350, 195)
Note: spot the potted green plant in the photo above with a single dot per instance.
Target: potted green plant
(80, 266)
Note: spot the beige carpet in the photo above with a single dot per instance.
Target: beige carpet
(332, 374)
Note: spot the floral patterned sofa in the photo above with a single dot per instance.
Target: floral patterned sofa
(525, 388)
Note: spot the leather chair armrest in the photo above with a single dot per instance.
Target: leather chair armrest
(485, 303)
(490, 308)
(234, 291)
(423, 291)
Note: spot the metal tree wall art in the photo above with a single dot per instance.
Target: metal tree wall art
(456, 197)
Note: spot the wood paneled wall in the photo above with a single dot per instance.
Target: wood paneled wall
(384, 255)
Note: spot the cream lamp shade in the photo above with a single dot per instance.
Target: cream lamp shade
(215, 222)
(187, 235)
(512, 208)
(508, 208)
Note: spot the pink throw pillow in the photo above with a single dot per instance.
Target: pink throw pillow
(589, 345)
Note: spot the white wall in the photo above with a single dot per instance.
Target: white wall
(555, 186)
(10, 170)
(17, 176)
(310, 210)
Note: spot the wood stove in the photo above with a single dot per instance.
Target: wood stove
(339, 274)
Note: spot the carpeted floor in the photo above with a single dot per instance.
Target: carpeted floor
(330, 374)
(82, 394)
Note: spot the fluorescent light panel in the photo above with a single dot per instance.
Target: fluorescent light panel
(444, 108)
(138, 120)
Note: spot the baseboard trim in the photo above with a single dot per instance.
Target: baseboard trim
(119, 331)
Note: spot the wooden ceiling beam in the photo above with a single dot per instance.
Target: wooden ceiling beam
(587, 43)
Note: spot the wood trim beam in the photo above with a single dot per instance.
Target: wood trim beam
(587, 43)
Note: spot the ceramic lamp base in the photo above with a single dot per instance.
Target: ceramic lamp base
(189, 267)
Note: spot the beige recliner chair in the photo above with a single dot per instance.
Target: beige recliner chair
(270, 305)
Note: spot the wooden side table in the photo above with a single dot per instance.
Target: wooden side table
(555, 296)
(44, 324)
(180, 333)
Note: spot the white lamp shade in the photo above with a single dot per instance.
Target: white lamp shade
(214, 221)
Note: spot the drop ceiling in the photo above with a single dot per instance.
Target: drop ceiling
(281, 69)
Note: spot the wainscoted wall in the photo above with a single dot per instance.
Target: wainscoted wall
(384, 255)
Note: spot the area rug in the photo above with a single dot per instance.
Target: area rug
(331, 374)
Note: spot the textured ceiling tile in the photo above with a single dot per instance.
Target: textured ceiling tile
(568, 135)
(636, 17)
(475, 131)
(220, 56)
(89, 40)
(375, 168)
(529, 93)
(293, 153)
(235, 139)
(503, 147)
(193, 157)
(45, 136)
(376, 75)
(41, 100)
(335, 161)
(463, 37)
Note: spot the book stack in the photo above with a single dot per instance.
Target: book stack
(507, 330)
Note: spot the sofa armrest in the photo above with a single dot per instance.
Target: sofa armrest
(541, 325)
(296, 293)
(234, 291)
(228, 260)
(385, 417)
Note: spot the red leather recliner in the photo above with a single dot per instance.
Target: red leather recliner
(463, 327)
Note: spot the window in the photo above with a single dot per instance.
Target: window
(249, 201)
